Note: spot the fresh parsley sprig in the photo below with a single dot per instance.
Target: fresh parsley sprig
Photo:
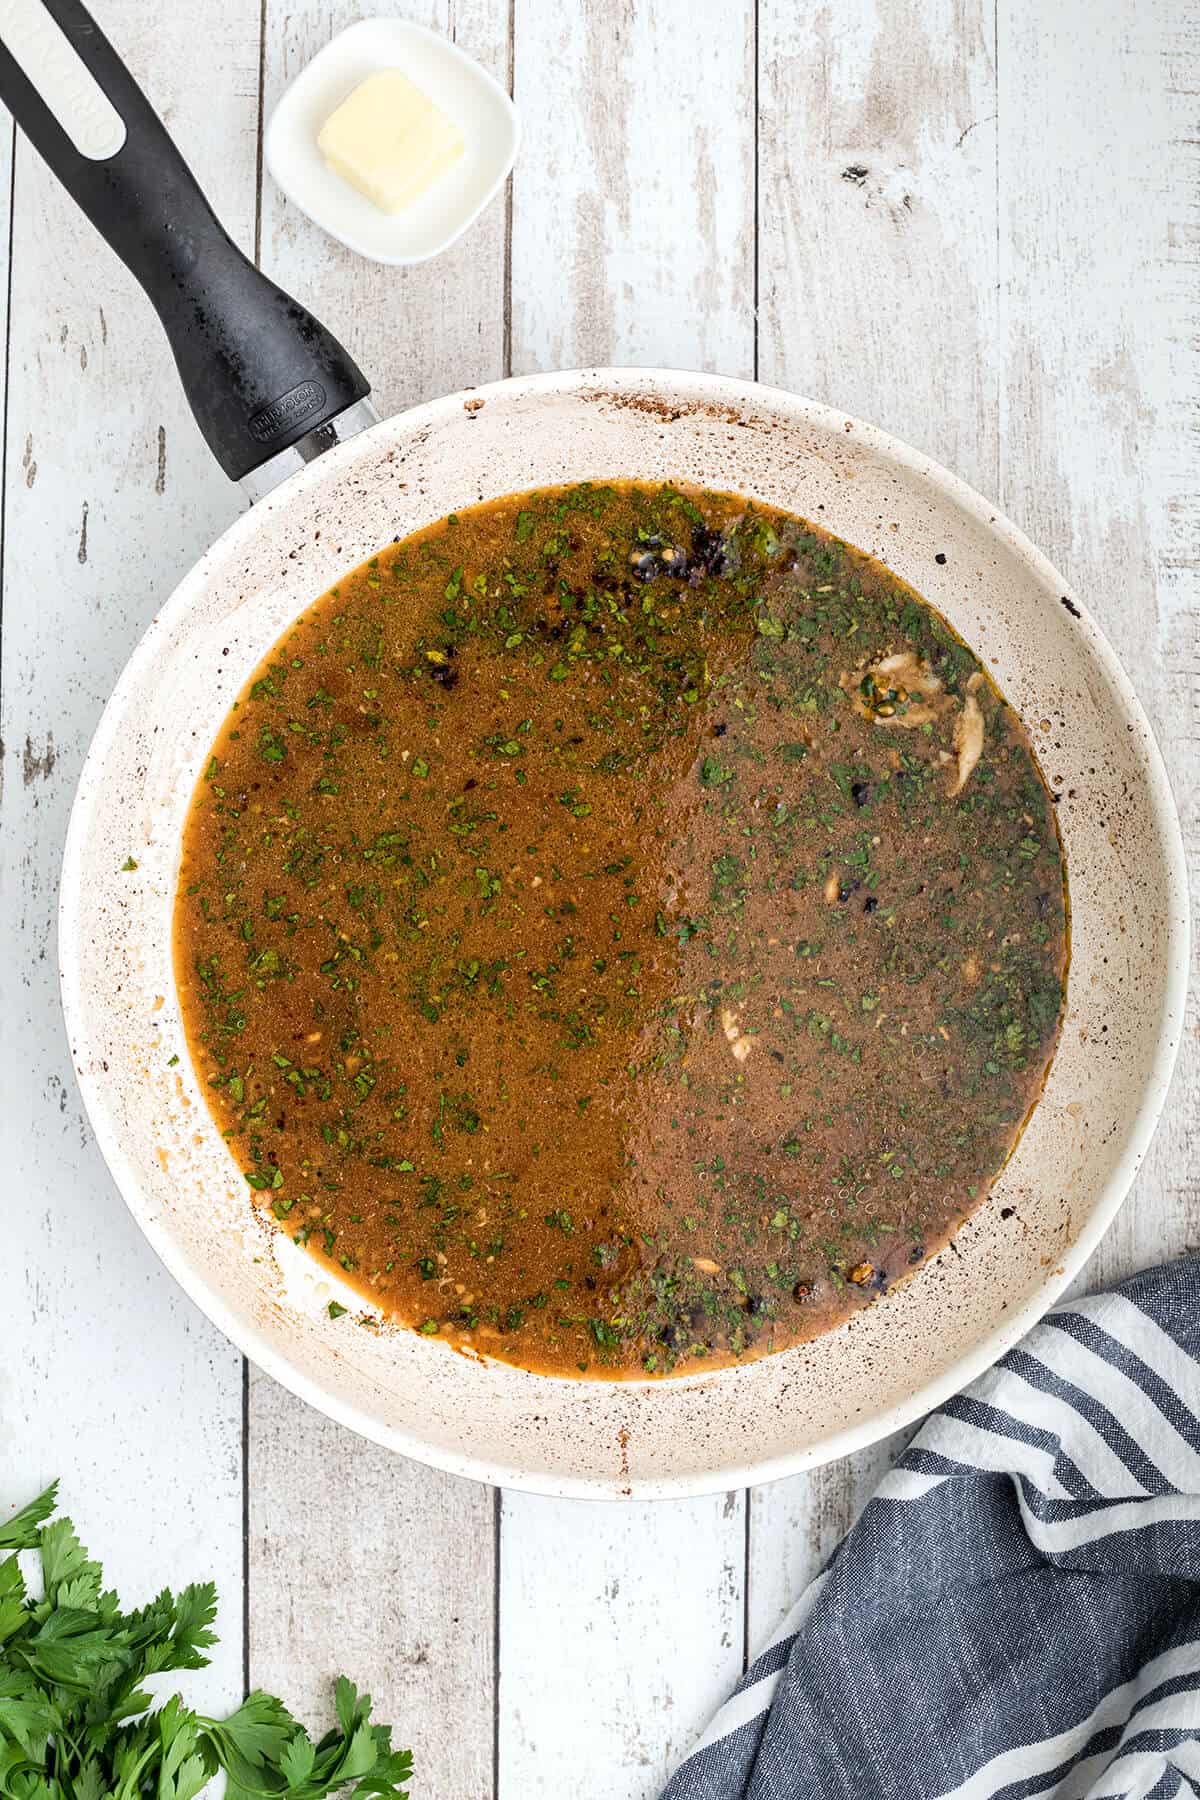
(76, 1721)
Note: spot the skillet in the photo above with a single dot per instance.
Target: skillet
(286, 412)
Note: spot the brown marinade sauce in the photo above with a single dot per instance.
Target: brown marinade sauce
(621, 929)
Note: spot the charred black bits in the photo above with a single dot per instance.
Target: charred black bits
(855, 172)
(940, 557)
(710, 551)
(870, 904)
(712, 554)
(719, 730)
(443, 671)
(860, 793)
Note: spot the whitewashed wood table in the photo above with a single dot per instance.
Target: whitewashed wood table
(976, 222)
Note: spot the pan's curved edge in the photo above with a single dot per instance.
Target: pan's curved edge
(702, 391)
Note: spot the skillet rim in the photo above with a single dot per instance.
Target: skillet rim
(742, 396)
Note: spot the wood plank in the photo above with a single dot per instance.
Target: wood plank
(113, 1380)
(357, 1560)
(621, 1631)
(633, 219)
(877, 234)
(632, 242)
(877, 281)
(1100, 304)
(365, 1564)
(796, 1525)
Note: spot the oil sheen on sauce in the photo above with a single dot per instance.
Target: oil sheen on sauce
(621, 929)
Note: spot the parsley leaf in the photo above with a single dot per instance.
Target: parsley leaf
(76, 1722)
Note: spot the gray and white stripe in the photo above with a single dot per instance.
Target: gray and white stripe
(1017, 1612)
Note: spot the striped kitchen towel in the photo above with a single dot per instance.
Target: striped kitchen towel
(1017, 1611)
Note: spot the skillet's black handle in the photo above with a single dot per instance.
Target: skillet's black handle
(259, 371)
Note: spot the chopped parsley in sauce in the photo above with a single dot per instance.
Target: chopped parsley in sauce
(622, 929)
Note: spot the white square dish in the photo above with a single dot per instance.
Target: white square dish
(454, 81)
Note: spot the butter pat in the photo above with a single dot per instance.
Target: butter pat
(389, 140)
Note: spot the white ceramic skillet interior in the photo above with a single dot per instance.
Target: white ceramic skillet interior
(706, 1431)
